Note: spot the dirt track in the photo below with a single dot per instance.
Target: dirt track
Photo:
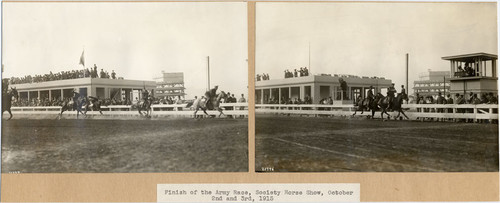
(297, 144)
(174, 145)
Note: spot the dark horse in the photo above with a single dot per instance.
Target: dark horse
(69, 105)
(363, 105)
(145, 106)
(96, 104)
(212, 104)
(7, 100)
(396, 105)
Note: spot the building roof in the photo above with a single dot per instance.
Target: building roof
(471, 57)
(323, 79)
(70, 83)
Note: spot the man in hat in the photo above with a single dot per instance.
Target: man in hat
(145, 96)
(370, 95)
(391, 91)
(210, 94)
(343, 86)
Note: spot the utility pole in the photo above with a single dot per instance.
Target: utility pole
(309, 57)
(407, 87)
(208, 73)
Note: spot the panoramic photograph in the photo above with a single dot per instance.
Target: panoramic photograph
(135, 87)
(376, 87)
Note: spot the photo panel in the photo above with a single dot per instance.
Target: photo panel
(124, 87)
(376, 87)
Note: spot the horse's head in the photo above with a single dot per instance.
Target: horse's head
(13, 92)
(222, 95)
(401, 97)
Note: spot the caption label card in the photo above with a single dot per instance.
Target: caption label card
(341, 192)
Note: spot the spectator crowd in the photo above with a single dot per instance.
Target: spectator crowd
(64, 75)
(303, 71)
(472, 98)
(264, 76)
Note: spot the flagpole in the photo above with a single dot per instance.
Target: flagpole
(309, 57)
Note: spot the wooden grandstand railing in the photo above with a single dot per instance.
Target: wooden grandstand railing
(233, 109)
(413, 111)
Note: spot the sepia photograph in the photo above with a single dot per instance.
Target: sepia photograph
(376, 87)
(124, 87)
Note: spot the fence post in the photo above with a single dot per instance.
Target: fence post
(490, 111)
(475, 114)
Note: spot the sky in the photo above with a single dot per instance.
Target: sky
(371, 38)
(136, 40)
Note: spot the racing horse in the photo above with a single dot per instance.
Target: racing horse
(212, 104)
(363, 105)
(96, 104)
(145, 106)
(7, 100)
(374, 104)
(396, 105)
(70, 105)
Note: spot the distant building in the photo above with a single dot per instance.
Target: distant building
(475, 73)
(170, 85)
(318, 87)
(431, 83)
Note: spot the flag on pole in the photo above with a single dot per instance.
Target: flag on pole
(82, 58)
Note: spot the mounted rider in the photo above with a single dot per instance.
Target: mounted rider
(210, 94)
(145, 98)
(370, 95)
(391, 91)
(5, 86)
(76, 97)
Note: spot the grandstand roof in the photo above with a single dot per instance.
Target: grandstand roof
(322, 79)
(85, 82)
(471, 57)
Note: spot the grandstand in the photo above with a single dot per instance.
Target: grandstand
(99, 87)
(476, 72)
(318, 87)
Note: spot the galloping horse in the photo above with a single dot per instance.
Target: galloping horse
(145, 106)
(69, 105)
(364, 104)
(396, 105)
(374, 104)
(96, 104)
(212, 104)
(7, 100)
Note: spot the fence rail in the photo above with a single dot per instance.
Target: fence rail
(413, 111)
(232, 109)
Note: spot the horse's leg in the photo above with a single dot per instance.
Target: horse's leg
(355, 110)
(60, 114)
(9, 113)
(404, 114)
(222, 112)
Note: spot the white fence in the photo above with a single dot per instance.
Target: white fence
(442, 111)
(232, 109)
